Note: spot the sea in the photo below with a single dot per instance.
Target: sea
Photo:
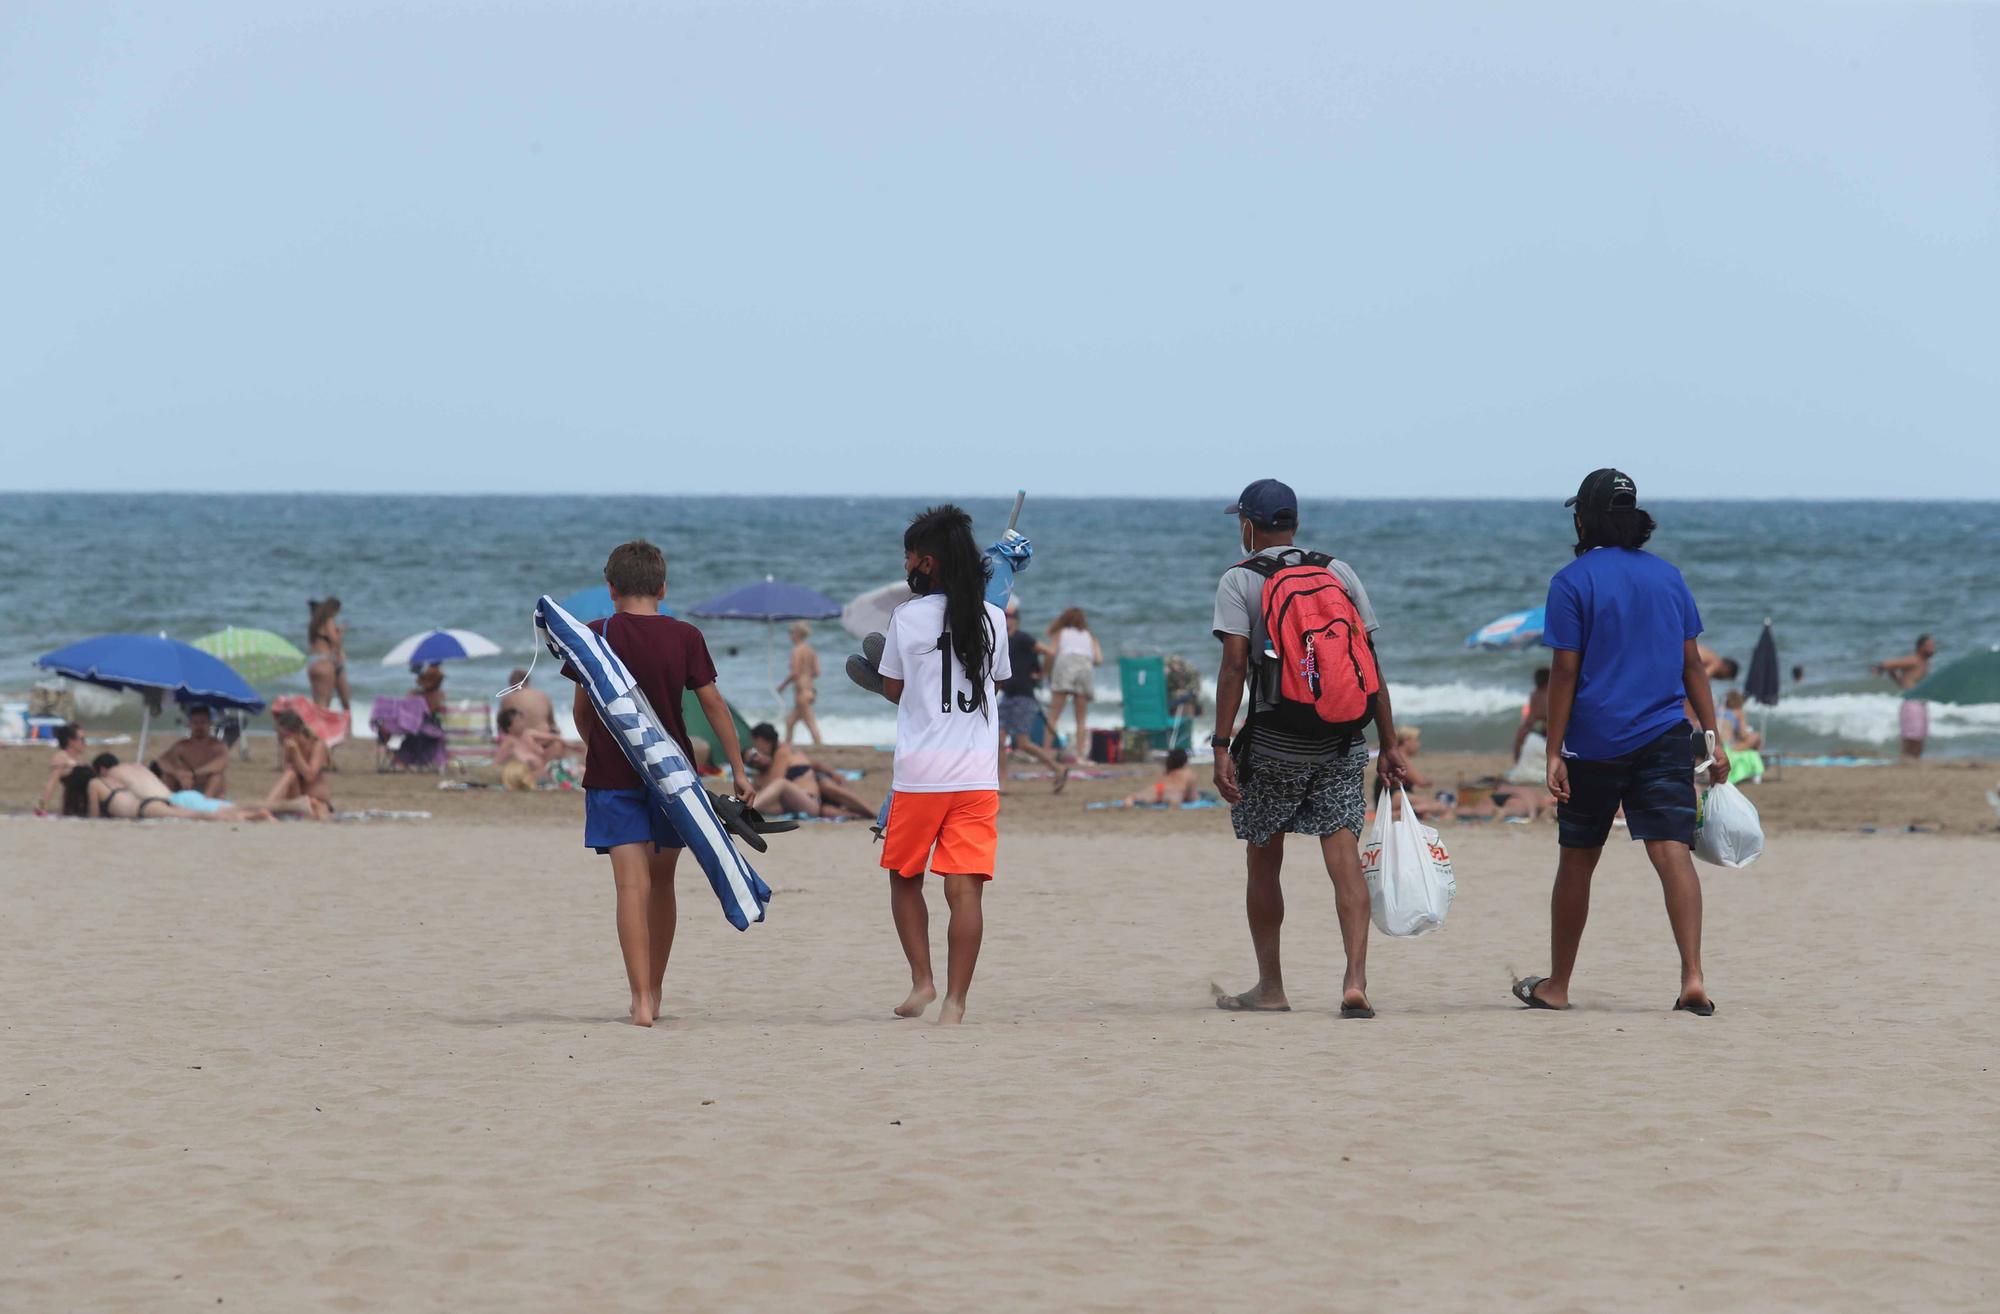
(1844, 584)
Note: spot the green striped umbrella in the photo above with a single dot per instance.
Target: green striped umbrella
(257, 655)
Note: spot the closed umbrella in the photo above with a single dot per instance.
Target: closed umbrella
(1968, 681)
(157, 665)
(1517, 629)
(432, 646)
(257, 655)
(769, 600)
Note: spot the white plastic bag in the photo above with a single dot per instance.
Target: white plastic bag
(1409, 873)
(1727, 831)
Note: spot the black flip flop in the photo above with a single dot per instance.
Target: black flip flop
(1356, 1011)
(746, 822)
(1524, 990)
(1706, 1008)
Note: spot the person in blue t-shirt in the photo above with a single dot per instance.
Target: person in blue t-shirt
(1623, 626)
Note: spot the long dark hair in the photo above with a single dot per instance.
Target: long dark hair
(1618, 526)
(76, 790)
(944, 532)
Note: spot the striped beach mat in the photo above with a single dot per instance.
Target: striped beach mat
(670, 778)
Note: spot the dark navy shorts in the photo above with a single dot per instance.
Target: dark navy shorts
(625, 816)
(1654, 783)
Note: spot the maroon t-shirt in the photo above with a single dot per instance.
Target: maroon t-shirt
(666, 657)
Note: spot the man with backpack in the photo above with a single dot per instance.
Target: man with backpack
(1295, 628)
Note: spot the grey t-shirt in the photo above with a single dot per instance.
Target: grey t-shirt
(1239, 601)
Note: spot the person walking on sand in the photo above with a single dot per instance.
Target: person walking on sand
(666, 658)
(1623, 626)
(1297, 630)
(1073, 677)
(326, 641)
(804, 682)
(941, 659)
(1018, 709)
(1914, 715)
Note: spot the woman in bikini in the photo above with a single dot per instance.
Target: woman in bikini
(804, 679)
(106, 787)
(301, 787)
(326, 667)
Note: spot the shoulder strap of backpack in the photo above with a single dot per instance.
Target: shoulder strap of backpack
(1267, 566)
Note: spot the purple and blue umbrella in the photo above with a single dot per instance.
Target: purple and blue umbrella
(1517, 629)
(158, 665)
(769, 600)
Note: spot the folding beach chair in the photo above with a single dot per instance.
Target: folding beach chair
(468, 734)
(1143, 682)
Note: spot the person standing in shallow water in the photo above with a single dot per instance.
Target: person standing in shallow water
(1623, 626)
(1300, 775)
(1913, 715)
(326, 642)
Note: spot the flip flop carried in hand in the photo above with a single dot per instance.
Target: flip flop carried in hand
(1698, 1007)
(1524, 990)
(862, 667)
(747, 823)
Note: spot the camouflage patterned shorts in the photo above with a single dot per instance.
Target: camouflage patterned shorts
(1303, 798)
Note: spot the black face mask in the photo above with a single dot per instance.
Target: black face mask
(920, 582)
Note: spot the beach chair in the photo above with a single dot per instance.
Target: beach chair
(407, 736)
(1148, 713)
(468, 734)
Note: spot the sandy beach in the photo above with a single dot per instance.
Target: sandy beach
(379, 1067)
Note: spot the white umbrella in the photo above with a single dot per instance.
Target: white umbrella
(441, 646)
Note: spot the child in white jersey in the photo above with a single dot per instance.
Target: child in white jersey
(939, 665)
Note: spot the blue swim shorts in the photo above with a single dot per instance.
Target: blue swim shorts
(625, 816)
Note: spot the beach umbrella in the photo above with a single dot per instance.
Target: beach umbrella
(769, 600)
(257, 655)
(1761, 683)
(1969, 680)
(440, 646)
(868, 613)
(1517, 629)
(594, 603)
(157, 665)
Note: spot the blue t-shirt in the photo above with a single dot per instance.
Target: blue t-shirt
(1630, 614)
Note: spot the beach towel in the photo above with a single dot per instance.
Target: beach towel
(670, 778)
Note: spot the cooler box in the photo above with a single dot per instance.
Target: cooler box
(1107, 746)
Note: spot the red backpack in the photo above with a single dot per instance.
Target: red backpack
(1314, 651)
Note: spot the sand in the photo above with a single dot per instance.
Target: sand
(377, 1067)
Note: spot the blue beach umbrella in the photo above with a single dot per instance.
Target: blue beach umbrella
(154, 663)
(769, 600)
(594, 603)
(1516, 629)
(433, 646)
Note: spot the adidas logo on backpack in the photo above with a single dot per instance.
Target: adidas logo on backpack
(1315, 652)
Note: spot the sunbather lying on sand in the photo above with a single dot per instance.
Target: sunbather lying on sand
(107, 787)
(1176, 786)
(786, 780)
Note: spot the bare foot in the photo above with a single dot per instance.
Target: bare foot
(1256, 1000)
(952, 1013)
(644, 1011)
(919, 1000)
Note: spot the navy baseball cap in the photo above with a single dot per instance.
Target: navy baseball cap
(1268, 504)
(1604, 490)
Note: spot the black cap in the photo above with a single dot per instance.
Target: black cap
(1268, 504)
(1602, 490)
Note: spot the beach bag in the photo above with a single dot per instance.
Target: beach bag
(1727, 830)
(1315, 652)
(1410, 882)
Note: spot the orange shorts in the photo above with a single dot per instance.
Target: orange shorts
(963, 825)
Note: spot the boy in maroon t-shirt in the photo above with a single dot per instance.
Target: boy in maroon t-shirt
(666, 657)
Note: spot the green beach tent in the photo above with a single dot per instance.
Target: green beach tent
(698, 726)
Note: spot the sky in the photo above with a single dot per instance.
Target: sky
(1413, 250)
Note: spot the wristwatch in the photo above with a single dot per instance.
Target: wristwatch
(1218, 741)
